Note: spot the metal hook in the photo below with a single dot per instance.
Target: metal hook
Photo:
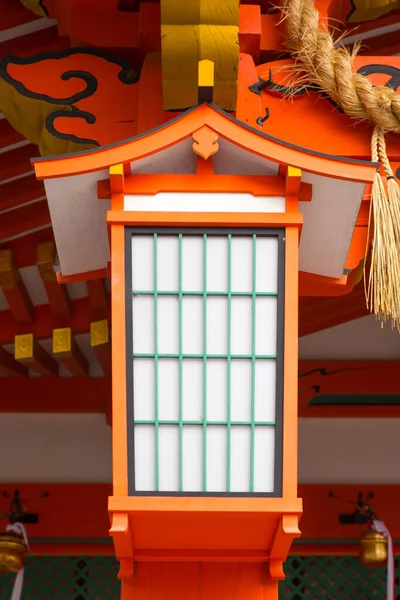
(261, 120)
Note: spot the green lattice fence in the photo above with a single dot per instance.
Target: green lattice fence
(331, 578)
(66, 578)
(95, 578)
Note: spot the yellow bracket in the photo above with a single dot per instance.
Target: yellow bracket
(193, 31)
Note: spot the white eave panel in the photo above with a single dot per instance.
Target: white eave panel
(79, 222)
(329, 221)
(204, 202)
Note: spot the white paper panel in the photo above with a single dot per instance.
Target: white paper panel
(192, 458)
(267, 264)
(192, 325)
(240, 459)
(217, 264)
(192, 263)
(264, 458)
(168, 325)
(204, 202)
(266, 325)
(241, 319)
(168, 389)
(265, 391)
(217, 390)
(241, 390)
(216, 458)
(167, 263)
(168, 436)
(145, 475)
(143, 324)
(142, 262)
(192, 389)
(143, 389)
(217, 331)
(241, 263)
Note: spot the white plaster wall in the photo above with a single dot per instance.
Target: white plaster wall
(49, 448)
(362, 339)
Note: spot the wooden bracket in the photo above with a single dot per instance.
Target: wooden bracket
(122, 536)
(30, 353)
(68, 353)
(286, 532)
(100, 342)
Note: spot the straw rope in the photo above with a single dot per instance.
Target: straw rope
(320, 63)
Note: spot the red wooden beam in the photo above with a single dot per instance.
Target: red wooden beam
(14, 290)
(29, 217)
(57, 293)
(316, 314)
(34, 43)
(44, 322)
(9, 366)
(358, 377)
(17, 162)
(8, 135)
(79, 512)
(64, 395)
(98, 296)
(19, 192)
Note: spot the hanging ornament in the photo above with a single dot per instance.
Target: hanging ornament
(13, 548)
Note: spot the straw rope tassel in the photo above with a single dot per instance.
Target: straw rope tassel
(319, 62)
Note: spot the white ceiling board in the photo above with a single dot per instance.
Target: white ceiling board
(352, 451)
(79, 222)
(179, 158)
(361, 339)
(55, 448)
(329, 221)
(232, 160)
(34, 285)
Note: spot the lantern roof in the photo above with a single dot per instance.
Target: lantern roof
(79, 217)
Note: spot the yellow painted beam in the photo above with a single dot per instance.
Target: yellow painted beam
(193, 31)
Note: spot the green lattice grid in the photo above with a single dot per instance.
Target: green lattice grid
(332, 578)
(204, 294)
(66, 578)
(95, 578)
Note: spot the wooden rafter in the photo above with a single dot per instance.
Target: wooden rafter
(9, 366)
(101, 344)
(27, 218)
(57, 293)
(19, 192)
(28, 352)
(24, 249)
(44, 322)
(68, 353)
(17, 162)
(14, 290)
(8, 135)
(98, 296)
(316, 314)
